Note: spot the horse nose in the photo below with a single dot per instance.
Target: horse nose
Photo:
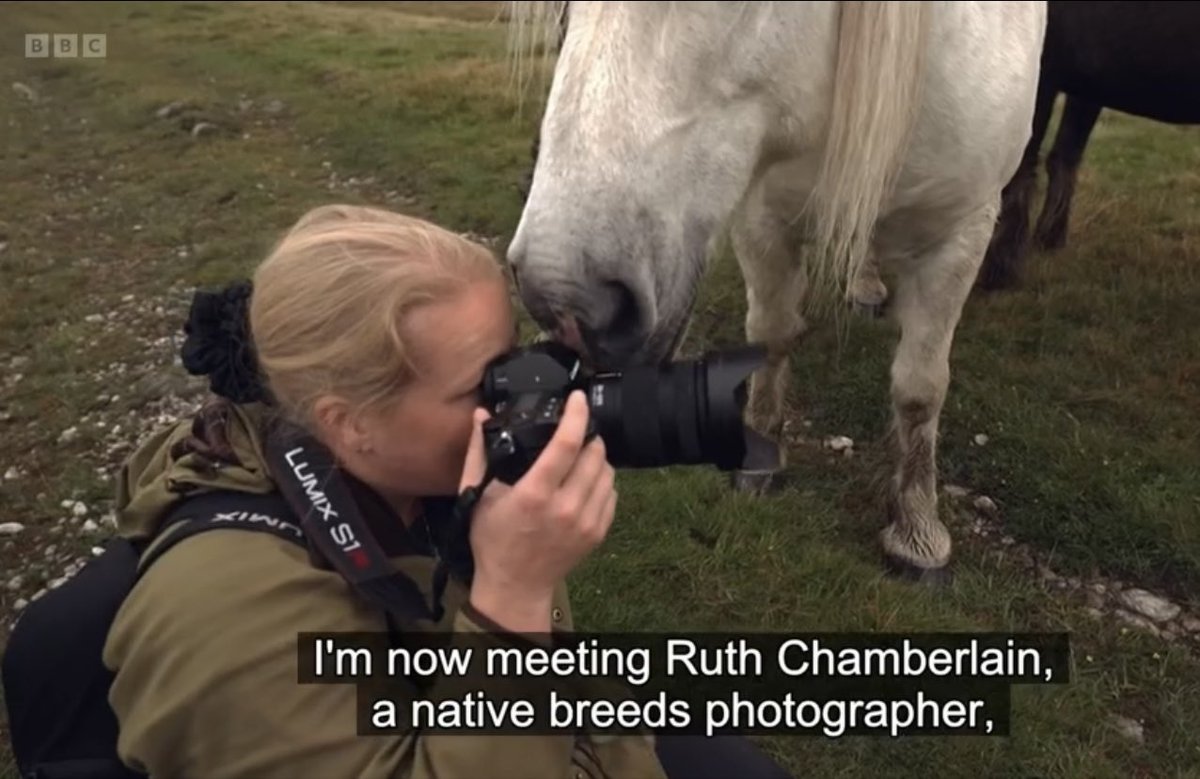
(614, 323)
(586, 303)
(603, 321)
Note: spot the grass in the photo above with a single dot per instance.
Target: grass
(1087, 380)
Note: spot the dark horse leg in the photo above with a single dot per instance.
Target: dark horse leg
(1010, 241)
(1062, 167)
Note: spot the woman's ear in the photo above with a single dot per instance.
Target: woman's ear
(339, 428)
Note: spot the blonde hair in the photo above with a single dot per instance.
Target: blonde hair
(329, 303)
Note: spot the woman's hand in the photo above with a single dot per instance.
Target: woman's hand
(527, 537)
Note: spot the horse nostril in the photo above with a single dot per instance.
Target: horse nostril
(617, 322)
(626, 315)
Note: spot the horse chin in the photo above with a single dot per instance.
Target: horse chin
(607, 357)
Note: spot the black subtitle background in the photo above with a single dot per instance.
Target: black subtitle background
(772, 685)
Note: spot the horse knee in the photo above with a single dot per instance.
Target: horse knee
(919, 389)
(777, 327)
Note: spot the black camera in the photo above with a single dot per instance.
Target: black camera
(681, 413)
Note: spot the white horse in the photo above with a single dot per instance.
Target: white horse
(836, 141)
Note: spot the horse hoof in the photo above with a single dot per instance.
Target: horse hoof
(937, 578)
(757, 483)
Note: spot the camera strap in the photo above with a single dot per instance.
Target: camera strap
(460, 524)
(329, 516)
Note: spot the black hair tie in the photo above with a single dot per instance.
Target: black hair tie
(219, 344)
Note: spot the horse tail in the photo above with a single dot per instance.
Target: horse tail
(876, 92)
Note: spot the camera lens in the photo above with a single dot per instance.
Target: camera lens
(682, 413)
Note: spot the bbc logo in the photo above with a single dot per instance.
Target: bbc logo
(65, 46)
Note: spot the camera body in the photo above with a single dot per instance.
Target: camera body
(681, 413)
(526, 391)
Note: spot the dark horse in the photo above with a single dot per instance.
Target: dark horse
(1141, 58)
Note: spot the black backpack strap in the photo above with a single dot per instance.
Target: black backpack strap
(222, 509)
(274, 513)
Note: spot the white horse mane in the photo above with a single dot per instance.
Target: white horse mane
(532, 32)
(877, 91)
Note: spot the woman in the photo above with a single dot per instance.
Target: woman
(370, 331)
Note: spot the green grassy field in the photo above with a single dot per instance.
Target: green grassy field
(1086, 381)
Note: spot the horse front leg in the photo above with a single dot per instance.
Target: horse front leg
(929, 295)
(775, 280)
(1062, 169)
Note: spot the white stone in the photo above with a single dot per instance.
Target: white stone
(955, 491)
(1130, 728)
(981, 439)
(169, 110)
(201, 128)
(12, 473)
(15, 583)
(68, 435)
(1150, 605)
(985, 504)
(20, 604)
(90, 527)
(54, 584)
(10, 528)
(25, 91)
(97, 551)
(80, 509)
(840, 443)
(1137, 621)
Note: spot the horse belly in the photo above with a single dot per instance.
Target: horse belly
(1172, 103)
(1137, 57)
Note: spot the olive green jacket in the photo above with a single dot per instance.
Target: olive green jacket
(204, 650)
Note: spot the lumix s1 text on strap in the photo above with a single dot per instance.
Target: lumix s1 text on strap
(311, 482)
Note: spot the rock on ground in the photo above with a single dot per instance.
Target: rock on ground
(1149, 605)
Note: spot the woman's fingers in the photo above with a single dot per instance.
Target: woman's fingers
(597, 510)
(558, 458)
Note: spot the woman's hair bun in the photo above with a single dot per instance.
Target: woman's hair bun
(219, 344)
